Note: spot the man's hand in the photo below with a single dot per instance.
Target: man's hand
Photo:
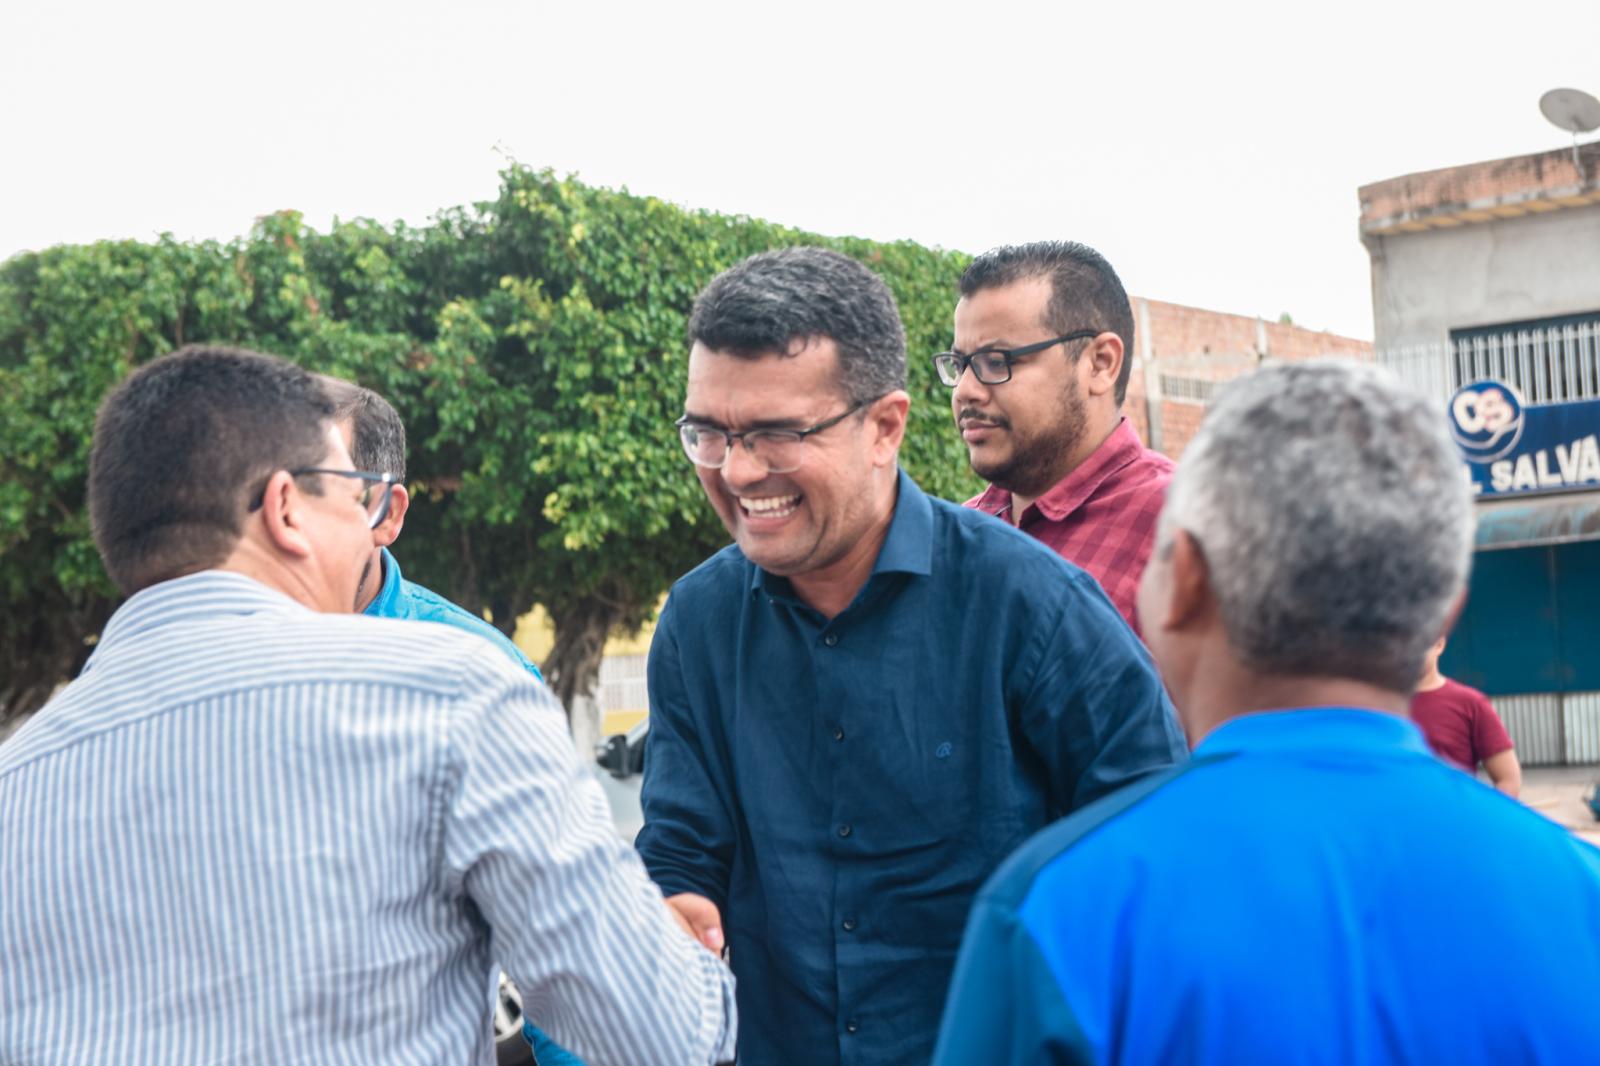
(699, 918)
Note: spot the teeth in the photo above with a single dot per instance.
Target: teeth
(768, 505)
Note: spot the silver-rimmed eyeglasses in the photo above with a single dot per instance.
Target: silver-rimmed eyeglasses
(375, 490)
(780, 451)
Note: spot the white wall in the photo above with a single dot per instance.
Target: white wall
(1481, 274)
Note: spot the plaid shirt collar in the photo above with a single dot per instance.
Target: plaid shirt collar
(1071, 492)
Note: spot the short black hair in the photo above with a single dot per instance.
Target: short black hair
(182, 446)
(766, 303)
(1085, 293)
(377, 434)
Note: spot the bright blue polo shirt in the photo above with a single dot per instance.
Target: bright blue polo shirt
(399, 598)
(1313, 887)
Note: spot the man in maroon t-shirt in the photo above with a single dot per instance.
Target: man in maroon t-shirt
(1462, 727)
(1043, 336)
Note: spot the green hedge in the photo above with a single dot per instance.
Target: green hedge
(534, 345)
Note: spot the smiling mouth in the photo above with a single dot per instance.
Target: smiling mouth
(769, 506)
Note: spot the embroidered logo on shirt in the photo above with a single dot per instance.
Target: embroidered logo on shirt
(943, 751)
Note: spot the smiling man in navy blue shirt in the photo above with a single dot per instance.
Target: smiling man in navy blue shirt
(1315, 886)
(865, 702)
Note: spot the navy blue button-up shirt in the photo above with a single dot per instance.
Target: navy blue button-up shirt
(841, 788)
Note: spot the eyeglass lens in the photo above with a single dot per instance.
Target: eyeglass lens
(991, 368)
(779, 452)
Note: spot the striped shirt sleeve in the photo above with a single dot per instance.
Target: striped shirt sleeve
(526, 835)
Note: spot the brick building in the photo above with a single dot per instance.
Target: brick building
(1182, 353)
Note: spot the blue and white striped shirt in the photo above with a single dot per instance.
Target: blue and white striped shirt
(250, 832)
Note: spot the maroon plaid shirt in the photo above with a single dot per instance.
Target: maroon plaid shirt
(1102, 516)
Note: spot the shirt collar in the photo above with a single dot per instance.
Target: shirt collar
(382, 605)
(1071, 492)
(209, 593)
(907, 547)
(1322, 729)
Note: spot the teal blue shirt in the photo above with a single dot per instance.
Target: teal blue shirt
(399, 598)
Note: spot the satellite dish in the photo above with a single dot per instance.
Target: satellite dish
(1571, 109)
(1574, 111)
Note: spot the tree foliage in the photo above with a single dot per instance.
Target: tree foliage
(534, 345)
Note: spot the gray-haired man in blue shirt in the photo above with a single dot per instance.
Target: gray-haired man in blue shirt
(865, 702)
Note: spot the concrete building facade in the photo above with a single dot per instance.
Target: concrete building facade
(1486, 295)
(1488, 245)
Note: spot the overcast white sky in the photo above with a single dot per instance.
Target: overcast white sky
(1212, 151)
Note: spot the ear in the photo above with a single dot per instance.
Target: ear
(1190, 595)
(886, 423)
(1101, 363)
(283, 516)
(388, 531)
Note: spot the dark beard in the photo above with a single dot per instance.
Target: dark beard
(1036, 463)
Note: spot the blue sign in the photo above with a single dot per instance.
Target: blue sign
(1514, 449)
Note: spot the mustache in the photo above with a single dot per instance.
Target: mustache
(972, 414)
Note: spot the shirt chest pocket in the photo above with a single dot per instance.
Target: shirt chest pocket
(920, 776)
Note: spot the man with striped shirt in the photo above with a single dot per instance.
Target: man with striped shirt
(261, 828)
(376, 436)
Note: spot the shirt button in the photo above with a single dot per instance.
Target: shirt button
(851, 1026)
(844, 830)
(838, 732)
(831, 639)
(849, 925)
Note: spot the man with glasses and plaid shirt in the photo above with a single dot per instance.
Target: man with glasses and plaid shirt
(1043, 339)
(257, 828)
(869, 698)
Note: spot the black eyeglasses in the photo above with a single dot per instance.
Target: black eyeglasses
(374, 502)
(992, 366)
(781, 451)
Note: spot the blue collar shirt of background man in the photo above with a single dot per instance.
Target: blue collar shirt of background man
(841, 788)
(399, 598)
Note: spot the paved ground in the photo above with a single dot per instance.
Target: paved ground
(1558, 792)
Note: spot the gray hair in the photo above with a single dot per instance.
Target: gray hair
(1335, 520)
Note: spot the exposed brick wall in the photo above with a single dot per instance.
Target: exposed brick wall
(1178, 330)
(1179, 421)
(1134, 406)
(1202, 345)
(1479, 192)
